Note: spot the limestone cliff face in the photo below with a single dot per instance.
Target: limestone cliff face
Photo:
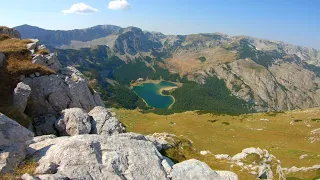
(283, 86)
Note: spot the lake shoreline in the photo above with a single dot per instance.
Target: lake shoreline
(139, 83)
(160, 91)
(168, 89)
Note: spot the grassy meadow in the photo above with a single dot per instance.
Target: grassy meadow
(285, 135)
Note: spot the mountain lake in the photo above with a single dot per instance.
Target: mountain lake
(151, 93)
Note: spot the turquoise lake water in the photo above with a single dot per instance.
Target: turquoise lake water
(150, 92)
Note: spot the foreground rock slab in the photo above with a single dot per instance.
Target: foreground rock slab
(13, 143)
(120, 156)
(123, 156)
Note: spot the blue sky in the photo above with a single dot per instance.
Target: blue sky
(292, 21)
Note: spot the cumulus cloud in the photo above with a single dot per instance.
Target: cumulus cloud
(80, 8)
(119, 5)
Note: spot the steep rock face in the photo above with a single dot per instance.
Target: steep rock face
(257, 79)
(13, 143)
(54, 93)
(11, 32)
(133, 40)
(104, 122)
(283, 86)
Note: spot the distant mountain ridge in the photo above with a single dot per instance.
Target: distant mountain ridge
(60, 37)
(272, 75)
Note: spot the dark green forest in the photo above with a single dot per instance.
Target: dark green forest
(97, 64)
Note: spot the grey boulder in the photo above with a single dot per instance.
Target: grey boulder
(74, 121)
(21, 95)
(228, 175)
(193, 169)
(51, 61)
(163, 141)
(13, 143)
(104, 122)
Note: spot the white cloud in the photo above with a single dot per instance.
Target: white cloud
(119, 5)
(80, 8)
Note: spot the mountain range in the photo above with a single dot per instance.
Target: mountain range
(264, 75)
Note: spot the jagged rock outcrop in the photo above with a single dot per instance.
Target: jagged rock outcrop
(104, 122)
(32, 47)
(10, 32)
(74, 121)
(49, 60)
(21, 95)
(13, 143)
(163, 141)
(257, 162)
(54, 93)
(193, 169)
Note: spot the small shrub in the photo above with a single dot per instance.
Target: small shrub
(297, 120)
(213, 121)
(202, 59)
(225, 123)
(316, 119)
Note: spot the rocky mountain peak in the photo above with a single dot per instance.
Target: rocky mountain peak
(10, 32)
